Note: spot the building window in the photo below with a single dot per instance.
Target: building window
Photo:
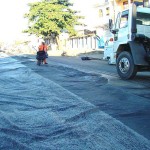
(146, 3)
(107, 11)
(125, 5)
(100, 13)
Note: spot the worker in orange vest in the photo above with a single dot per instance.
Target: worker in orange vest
(44, 47)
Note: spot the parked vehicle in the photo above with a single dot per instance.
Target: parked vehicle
(130, 50)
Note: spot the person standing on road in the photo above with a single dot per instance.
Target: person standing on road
(43, 47)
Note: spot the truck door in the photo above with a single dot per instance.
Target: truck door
(121, 35)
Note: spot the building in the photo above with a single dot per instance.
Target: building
(107, 10)
(87, 38)
(95, 30)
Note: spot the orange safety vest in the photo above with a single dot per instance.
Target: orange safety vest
(43, 47)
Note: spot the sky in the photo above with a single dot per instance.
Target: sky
(12, 21)
(86, 8)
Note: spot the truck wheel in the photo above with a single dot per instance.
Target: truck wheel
(125, 66)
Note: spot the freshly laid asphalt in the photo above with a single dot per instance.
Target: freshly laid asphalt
(37, 113)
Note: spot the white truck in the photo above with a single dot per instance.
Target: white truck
(130, 50)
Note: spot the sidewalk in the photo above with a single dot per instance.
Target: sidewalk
(95, 54)
(36, 113)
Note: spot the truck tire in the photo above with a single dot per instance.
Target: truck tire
(125, 66)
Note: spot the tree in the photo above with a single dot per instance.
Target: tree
(51, 17)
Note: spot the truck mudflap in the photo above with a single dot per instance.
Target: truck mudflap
(148, 56)
(138, 53)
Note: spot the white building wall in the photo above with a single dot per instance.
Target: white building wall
(93, 43)
(92, 19)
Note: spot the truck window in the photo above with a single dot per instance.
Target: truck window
(124, 19)
(117, 21)
(143, 19)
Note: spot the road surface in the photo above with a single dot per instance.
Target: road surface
(61, 107)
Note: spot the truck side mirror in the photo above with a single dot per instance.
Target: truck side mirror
(110, 24)
(114, 31)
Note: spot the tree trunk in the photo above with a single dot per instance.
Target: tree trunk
(58, 43)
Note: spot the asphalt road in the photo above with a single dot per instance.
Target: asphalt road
(98, 83)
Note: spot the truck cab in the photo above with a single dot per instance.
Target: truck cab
(130, 50)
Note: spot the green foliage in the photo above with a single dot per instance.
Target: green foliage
(51, 17)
